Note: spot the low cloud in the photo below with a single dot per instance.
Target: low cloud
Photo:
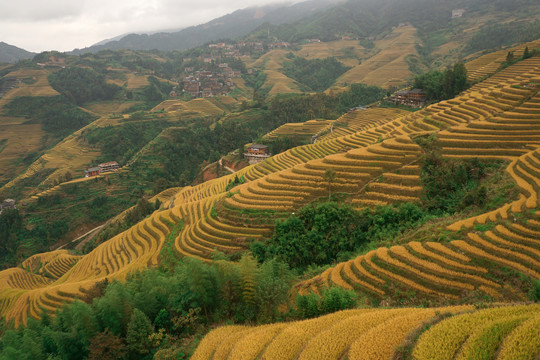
(64, 25)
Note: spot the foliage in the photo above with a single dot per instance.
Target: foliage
(496, 35)
(18, 242)
(440, 85)
(154, 93)
(178, 300)
(82, 85)
(333, 299)
(57, 115)
(453, 185)
(120, 143)
(300, 108)
(236, 181)
(315, 74)
(320, 234)
(534, 293)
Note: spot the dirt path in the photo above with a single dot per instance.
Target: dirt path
(80, 237)
(232, 171)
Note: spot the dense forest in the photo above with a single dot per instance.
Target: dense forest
(441, 85)
(493, 36)
(315, 74)
(57, 115)
(82, 85)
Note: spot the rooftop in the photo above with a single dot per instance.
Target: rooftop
(257, 146)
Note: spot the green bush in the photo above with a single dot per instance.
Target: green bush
(333, 299)
(320, 234)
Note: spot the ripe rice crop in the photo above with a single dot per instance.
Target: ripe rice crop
(483, 342)
(443, 340)
(522, 343)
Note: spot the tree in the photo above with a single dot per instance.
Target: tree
(329, 176)
(526, 54)
(510, 57)
(138, 331)
(159, 185)
(273, 284)
(248, 273)
(106, 346)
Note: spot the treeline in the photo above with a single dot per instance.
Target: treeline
(17, 241)
(82, 85)
(315, 74)
(120, 143)
(156, 313)
(55, 113)
(146, 316)
(299, 108)
(182, 152)
(329, 232)
(154, 93)
(454, 185)
(497, 35)
(445, 84)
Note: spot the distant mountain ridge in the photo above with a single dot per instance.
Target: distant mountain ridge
(12, 54)
(234, 25)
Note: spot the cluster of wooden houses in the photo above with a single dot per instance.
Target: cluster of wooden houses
(208, 83)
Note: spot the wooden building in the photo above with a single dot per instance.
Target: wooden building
(108, 167)
(93, 171)
(257, 153)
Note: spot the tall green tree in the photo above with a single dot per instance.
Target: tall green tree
(137, 337)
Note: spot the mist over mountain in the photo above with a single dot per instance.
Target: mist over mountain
(236, 24)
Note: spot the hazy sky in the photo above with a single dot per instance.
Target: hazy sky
(38, 25)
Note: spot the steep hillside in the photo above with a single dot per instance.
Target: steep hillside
(386, 44)
(198, 220)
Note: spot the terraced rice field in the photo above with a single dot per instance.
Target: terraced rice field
(276, 81)
(450, 270)
(488, 64)
(71, 154)
(375, 162)
(341, 49)
(464, 333)
(39, 87)
(301, 130)
(136, 81)
(388, 66)
(21, 139)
